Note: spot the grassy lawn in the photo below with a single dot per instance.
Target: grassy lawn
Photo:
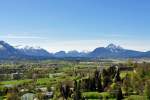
(96, 95)
(91, 95)
(136, 97)
(15, 82)
(40, 81)
(44, 81)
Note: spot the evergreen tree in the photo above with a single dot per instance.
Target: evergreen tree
(106, 81)
(99, 84)
(119, 95)
(117, 76)
(96, 74)
(112, 71)
(92, 84)
(147, 90)
(77, 92)
(65, 90)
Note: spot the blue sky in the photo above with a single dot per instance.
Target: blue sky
(76, 24)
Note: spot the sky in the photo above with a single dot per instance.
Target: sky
(79, 25)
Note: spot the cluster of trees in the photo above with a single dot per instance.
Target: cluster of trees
(102, 80)
(99, 81)
(11, 93)
(68, 91)
(136, 82)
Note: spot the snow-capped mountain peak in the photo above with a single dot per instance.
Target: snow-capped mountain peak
(27, 47)
(113, 46)
(4, 45)
(33, 51)
(1, 46)
(2, 42)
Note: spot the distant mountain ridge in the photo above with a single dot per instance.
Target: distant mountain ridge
(7, 51)
(111, 51)
(34, 51)
(73, 53)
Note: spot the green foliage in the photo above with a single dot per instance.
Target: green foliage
(119, 95)
(12, 96)
(137, 83)
(130, 62)
(77, 91)
(49, 87)
(1, 98)
(91, 82)
(39, 95)
(127, 86)
(147, 90)
(124, 73)
(15, 82)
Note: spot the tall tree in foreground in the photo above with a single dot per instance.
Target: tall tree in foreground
(77, 92)
(65, 90)
(147, 90)
(117, 76)
(99, 84)
(119, 95)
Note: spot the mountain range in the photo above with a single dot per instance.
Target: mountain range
(111, 51)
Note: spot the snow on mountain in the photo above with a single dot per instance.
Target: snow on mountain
(114, 48)
(1, 47)
(33, 51)
(7, 50)
(27, 47)
(111, 51)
